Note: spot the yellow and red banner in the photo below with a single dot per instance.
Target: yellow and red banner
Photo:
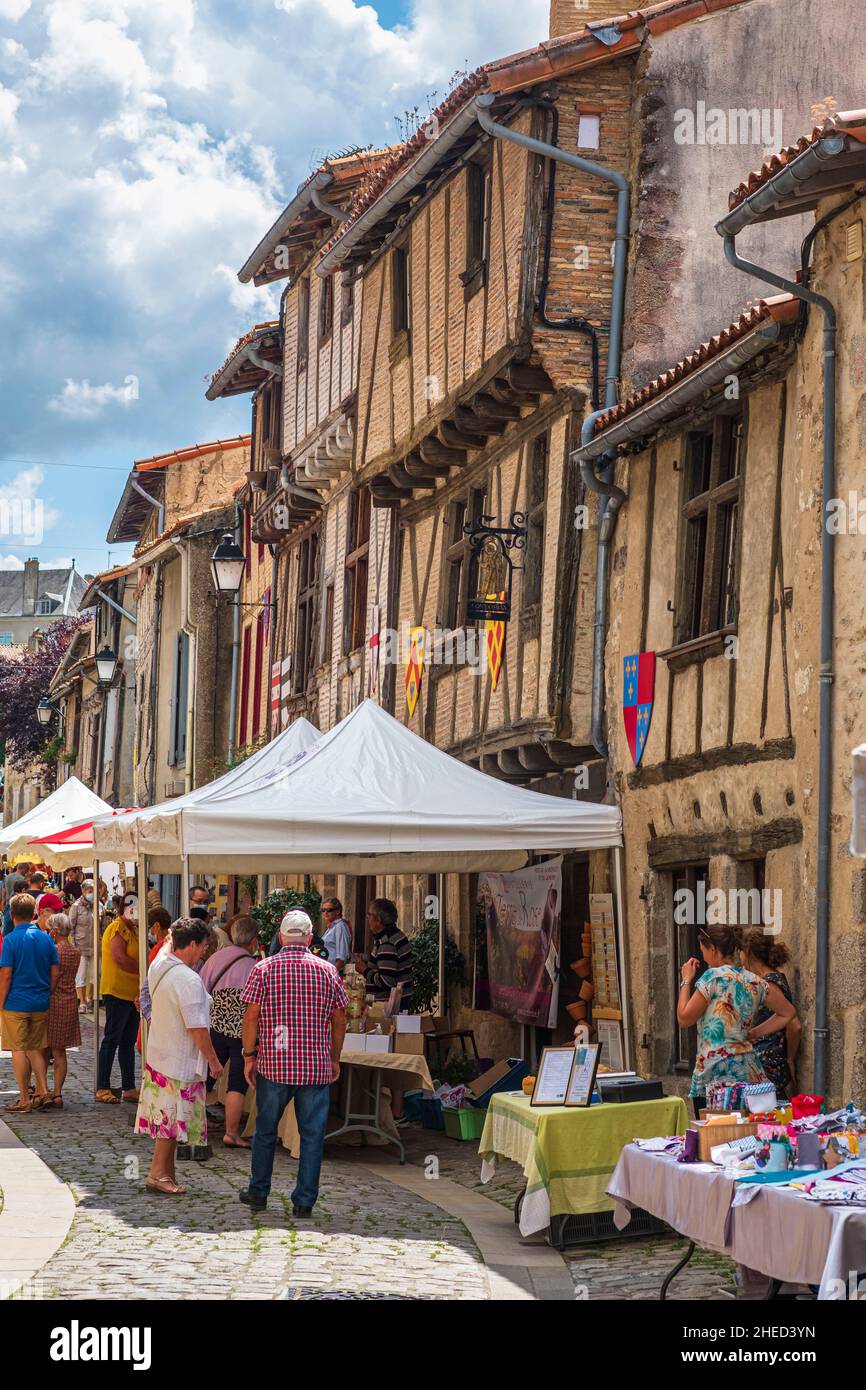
(414, 668)
(495, 628)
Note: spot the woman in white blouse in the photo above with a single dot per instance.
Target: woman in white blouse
(171, 1107)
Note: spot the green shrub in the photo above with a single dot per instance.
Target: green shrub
(271, 912)
(425, 967)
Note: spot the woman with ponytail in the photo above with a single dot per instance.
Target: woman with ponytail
(766, 957)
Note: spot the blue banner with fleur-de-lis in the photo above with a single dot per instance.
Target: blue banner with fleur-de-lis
(638, 693)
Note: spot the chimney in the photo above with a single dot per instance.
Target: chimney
(570, 16)
(31, 585)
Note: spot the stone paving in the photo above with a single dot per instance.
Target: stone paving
(367, 1238)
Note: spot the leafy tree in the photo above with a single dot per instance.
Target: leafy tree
(271, 912)
(425, 966)
(24, 681)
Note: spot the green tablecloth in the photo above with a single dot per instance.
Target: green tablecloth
(568, 1154)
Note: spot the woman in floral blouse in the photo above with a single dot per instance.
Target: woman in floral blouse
(724, 1006)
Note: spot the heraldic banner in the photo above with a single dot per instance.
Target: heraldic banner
(523, 922)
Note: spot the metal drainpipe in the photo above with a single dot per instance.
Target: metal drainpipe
(236, 646)
(611, 498)
(825, 707)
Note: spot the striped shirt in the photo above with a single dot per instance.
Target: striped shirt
(298, 992)
(390, 965)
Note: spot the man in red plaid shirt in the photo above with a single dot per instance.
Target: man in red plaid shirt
(293, 1034)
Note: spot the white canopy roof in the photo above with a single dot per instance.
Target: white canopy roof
(71, 803)
(369, 796)
(123, 834)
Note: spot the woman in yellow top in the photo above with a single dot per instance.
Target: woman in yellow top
(120, 986)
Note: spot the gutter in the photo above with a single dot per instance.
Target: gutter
(271, 239)
(249, 353)
(646, 419)
(782, 186)
(727, 228)
(611, 497)
(397, 191)
(329, 209)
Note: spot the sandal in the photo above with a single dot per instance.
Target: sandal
(41, 1102)
(107, 1098)
(167, 1186)
(131, 1096)
(234, 1141)
(21, 1107)
(57, 1102)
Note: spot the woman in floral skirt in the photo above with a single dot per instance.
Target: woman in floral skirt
(63, 1026)
(171, 1107)
(724, 1005)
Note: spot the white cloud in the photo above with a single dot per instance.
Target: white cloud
(80, 401)
(14, 9)
(9, 104)
(11, 562)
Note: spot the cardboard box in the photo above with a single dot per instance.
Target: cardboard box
(709, 1135)
(480, 1088)
(354, 1042)
(415, 1023)
(411, 1043)
(379, 1042)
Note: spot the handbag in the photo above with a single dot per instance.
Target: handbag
(226, 1010)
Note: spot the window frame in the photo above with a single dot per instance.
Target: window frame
(708, 558)
(356, 569)
(326, 308)
(303, 660)
(400, 271)
(532, 590)
(460, 565)
(479, 191)
(303, 334)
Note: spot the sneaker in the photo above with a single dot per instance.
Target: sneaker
(250, 1199)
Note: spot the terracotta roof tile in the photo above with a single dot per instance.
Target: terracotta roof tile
(193, 451)
(783, 308)
(851, 123)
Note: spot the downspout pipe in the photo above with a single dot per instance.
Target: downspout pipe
(329, 209)
(825, 693)
(236, 647)
(611, 498)
(160, 520)
(272, 368)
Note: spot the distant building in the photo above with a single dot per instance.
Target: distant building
(32, 598)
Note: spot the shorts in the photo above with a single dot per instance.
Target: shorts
(21, 1032)
(230, 1053)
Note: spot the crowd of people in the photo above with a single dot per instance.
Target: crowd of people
(213, 998)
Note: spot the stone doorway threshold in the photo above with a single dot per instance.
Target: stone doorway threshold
(517, 1269)
(27, 1243)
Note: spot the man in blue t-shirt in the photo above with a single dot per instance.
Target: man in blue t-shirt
(29, 967)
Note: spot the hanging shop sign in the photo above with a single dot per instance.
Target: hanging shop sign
(414, 668)
(490, 546)
(495, 632)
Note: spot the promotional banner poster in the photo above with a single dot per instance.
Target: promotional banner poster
(523, 915)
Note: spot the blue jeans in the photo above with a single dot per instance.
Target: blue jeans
(311, 1113)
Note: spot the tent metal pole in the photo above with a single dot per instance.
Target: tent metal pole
(183, 905)
(623, 959)
(141, 869)
(97, 962)
(442, 887)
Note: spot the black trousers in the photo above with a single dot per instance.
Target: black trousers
(121, 1029)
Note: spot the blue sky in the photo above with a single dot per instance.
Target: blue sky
(145, 147)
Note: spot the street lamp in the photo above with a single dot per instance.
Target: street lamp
(44, 711)
(106, 665)
(227, 566)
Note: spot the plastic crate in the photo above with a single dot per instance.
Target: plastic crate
(463, 1122)
(598, 1226)
(431, 1114)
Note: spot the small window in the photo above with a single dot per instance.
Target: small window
(357, 560)
(44, 606)
(708, 567)
(308, 554)
(399, 291)
(328, 626)
(588, 131)
(477, 225)
(536, 493)
(179, 702)
(347, 302)
(303, 322)
(461, 566)
(326, 308)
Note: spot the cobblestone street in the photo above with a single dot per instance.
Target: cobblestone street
(368, 1238)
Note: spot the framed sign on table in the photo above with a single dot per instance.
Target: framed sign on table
(554, 1074)
(582, 1079)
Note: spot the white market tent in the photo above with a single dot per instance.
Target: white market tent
(69, 805)
(369, 796)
